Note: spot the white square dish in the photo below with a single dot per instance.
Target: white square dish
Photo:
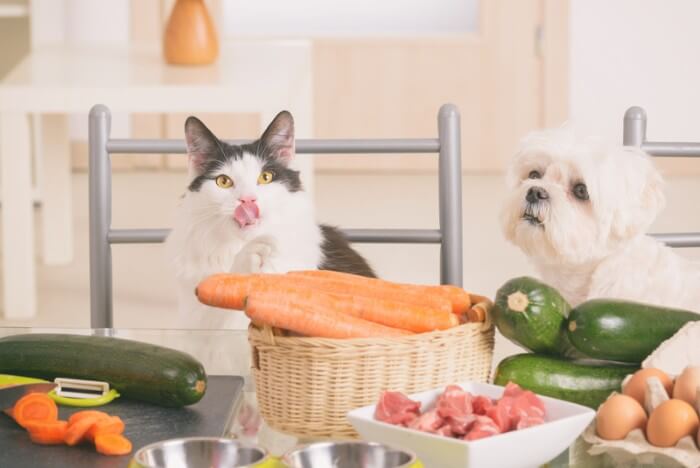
(529, 447)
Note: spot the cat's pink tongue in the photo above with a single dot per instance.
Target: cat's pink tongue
(246, 213)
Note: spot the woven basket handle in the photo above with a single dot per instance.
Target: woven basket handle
(268, 336)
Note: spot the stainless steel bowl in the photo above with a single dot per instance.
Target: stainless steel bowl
(348, 455)
(198, 452)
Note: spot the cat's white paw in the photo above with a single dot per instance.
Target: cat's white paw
(256, 256)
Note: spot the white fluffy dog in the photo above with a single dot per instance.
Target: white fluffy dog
(580, 209)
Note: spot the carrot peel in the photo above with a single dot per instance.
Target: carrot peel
(110, 425)
(34, 407)
(112, 444)
(76, 432)
(47, 432)
(78, 415)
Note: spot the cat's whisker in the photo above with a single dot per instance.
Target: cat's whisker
(205, 212)
(204, 218)
(205, 232)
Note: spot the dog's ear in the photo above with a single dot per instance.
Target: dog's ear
(641, 196)
(513, 171)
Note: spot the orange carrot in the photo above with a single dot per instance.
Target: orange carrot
(110, 425)
(76, 432)
(287, 311)
(411, 317)
(458, 297)
(230, 290)
(34, 407)
(344, 283)
(78, 415)
(112, 444)
(47, 432)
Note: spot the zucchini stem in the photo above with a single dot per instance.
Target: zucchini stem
(518, 301)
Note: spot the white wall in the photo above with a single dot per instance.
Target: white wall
(636, 52)
(80, 22)
(348, 17)
(83, 23)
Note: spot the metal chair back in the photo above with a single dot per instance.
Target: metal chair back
(103, 235)
(635, 134)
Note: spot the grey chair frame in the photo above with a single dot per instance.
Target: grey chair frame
(635, 134)
(102, 235)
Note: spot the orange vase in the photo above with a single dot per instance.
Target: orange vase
(190, 35)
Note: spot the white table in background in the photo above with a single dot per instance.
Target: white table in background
(260, 77)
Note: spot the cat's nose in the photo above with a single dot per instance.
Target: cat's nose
(249, 199)
(535, 194)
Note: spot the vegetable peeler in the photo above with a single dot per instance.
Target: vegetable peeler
(82, 393)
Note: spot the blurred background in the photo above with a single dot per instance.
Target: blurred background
(346, 69)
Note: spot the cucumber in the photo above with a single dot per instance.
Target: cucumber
(579, 382)
(617, 330)
(136, 370)
(534, 316)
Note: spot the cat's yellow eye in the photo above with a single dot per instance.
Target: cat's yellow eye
(265, 177)
(224, 181)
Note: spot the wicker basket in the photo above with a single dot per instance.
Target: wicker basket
(305, 386)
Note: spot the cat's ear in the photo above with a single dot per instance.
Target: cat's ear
(202, 144)
(278, 138)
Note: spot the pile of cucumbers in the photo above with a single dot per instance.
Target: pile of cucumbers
(580, 354)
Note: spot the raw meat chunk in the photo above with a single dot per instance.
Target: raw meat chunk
(396, 408)
(481, 404)
(430, 421)
(483, 427)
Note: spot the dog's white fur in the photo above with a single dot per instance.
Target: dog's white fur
(596, 248)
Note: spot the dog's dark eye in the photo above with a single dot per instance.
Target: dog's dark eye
(534, 175)
(581, 191)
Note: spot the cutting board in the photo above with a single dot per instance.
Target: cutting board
(145, 424)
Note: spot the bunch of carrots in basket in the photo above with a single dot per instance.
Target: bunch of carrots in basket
(329, 304)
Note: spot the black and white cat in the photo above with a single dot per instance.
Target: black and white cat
(245, 211)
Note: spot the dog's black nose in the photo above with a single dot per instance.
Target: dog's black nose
(536, 194)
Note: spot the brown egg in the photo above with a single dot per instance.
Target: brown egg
(636, 386)
(686, 387)
(619, 415)
(670, 422)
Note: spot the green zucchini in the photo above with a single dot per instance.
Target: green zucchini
(625, 331)
(140, 371)
(533, 315)
(585, 383)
